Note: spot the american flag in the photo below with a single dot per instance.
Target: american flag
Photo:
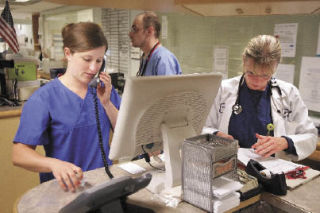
(7, 31)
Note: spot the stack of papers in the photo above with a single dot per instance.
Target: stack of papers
(226, 197)
(227, 203)
(222, 186)
(277, 166)
(274, 165)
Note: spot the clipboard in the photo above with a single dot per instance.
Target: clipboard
(309, 173)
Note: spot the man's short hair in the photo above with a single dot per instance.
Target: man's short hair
(150, 18)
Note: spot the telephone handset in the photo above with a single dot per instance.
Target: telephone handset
(96, 80)
(94, 83)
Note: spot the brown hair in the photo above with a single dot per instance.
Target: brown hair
(83, 36)
(265, 50)
(150, 18)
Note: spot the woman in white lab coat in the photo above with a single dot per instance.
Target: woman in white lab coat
(261, 112)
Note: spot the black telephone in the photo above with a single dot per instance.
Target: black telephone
(110, 196)
(95, 81)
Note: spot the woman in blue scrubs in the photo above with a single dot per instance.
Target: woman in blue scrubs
(61, 115)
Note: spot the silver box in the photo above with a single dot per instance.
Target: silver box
(204, 158)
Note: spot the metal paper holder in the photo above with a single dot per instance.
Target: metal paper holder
(204, 158)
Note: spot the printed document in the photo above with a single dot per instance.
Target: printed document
(274, 165)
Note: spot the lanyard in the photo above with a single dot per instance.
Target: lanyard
(143, 66)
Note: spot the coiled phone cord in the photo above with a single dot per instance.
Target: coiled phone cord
(103, 154)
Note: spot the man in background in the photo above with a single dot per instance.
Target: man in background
(156, 59)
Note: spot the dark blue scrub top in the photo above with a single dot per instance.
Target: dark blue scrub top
(254, 118)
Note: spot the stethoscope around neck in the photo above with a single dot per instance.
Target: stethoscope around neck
(237, 108)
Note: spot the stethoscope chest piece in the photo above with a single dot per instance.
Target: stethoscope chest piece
(237, 109)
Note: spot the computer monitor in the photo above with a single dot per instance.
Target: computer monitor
(163, 110)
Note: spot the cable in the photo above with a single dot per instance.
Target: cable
(103, 154)
(147, 159)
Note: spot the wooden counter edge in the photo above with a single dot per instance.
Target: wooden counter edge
(10, 113)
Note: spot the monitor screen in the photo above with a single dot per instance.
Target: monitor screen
(162, 110)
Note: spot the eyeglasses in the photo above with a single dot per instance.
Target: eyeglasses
(253, 75)
(134, 29)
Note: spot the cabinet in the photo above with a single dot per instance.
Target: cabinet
(14, 181)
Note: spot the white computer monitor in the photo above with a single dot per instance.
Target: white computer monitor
(163, 110)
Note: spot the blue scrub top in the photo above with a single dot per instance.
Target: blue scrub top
(65, 125)
(161, 62)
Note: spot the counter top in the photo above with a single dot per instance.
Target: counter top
(7, 111)
(304, 198)
(49, 197)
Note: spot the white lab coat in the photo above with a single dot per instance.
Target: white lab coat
(295, 124)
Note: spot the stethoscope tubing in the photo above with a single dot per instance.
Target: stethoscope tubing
(237, 108)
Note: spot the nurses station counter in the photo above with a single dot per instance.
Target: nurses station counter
(24, 194)
(14, 181)
(48, 197)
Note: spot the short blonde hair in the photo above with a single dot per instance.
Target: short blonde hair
(265, 50)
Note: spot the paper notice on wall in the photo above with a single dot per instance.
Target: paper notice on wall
(287, 34)
(318, 47)
(164, 27)
(285, 72)
(309, 85)
(220, 60)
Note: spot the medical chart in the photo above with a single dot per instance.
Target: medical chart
(274, 165)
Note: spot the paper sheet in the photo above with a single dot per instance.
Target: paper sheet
(132, 168)
(285, 72)
(164, 29)
(229, 202)
(223, 186)
(220, 60)
(287, 34)
(309, 86)
(274, 165)
(310, 174)
(318, 47)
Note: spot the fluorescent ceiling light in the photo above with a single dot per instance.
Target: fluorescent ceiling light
(22, 0)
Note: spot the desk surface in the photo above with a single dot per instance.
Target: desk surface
(7, 111)
(304, 198)
(48, 197)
